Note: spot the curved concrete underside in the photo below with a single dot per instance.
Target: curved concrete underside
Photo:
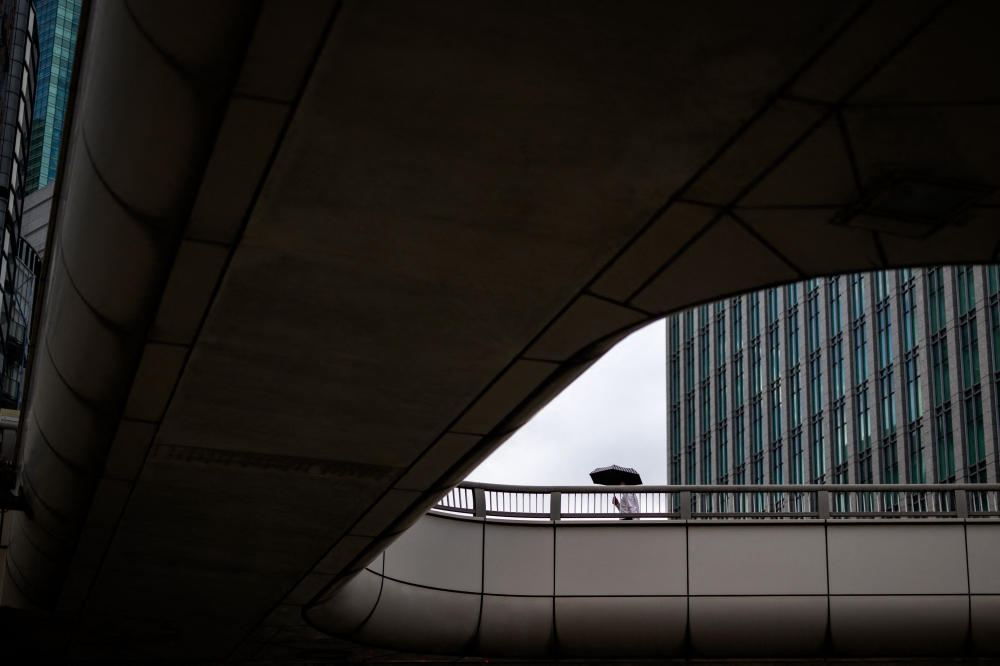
(661, 589)
(401, 229)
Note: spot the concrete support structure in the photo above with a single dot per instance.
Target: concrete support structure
(398, 229)
(705, 589)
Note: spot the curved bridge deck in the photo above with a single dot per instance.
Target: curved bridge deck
(874, 582)
(310, 263)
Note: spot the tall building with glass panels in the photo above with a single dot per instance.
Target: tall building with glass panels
(58, 21)
(885, 377)
(18, 263)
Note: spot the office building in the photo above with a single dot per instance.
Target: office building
(58, 21)
(18, 261)
(884, 377)
(37, 159)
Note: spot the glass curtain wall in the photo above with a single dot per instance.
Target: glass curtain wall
(18, 62)
(844, 379)
(58, 21)
(794, 358)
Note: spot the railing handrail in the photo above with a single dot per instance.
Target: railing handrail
(858, 501)
(771, 488)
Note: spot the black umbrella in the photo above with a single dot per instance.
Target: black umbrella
(615, 476)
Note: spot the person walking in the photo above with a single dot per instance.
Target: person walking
(626, 502)
(626, 505)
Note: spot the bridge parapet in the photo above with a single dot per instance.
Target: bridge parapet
(751, 572)
(715, 502)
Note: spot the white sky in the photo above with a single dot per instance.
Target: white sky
(613, 414)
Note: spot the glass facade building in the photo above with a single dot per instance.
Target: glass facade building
(884, 377)
(18, 262)
(58, 21)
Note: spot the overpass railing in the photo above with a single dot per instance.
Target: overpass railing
(761, 502)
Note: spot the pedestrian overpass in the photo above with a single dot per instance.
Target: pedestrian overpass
(310, 263)
(704, 571)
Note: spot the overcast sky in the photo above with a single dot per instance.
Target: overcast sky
(614, 414)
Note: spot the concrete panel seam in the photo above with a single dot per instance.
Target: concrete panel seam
(381, 585)
(812, 128)
(810, 61)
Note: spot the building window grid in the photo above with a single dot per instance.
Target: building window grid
(793, 359)
(886, 379)
(716, 459)
(838, 410)
(776, 448)
(739, 447)
(723, 457)
(756, 441)
(721, 406)
(705, 393)
(675, 400)
(865, 471)
(815, 393)
(738, 380)
(911, 379)
(971, 375)
(20, 264)
(757, 464)
(739, 416)
(795, 429)
(56, 41)
(862, 407)
(690, 441)
(993, 303)
(944, 439)
(756, 413)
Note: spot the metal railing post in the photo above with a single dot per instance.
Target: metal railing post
(555, 506)
(961, 504)
(823, 503)
(685, 505)
(479, 502)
